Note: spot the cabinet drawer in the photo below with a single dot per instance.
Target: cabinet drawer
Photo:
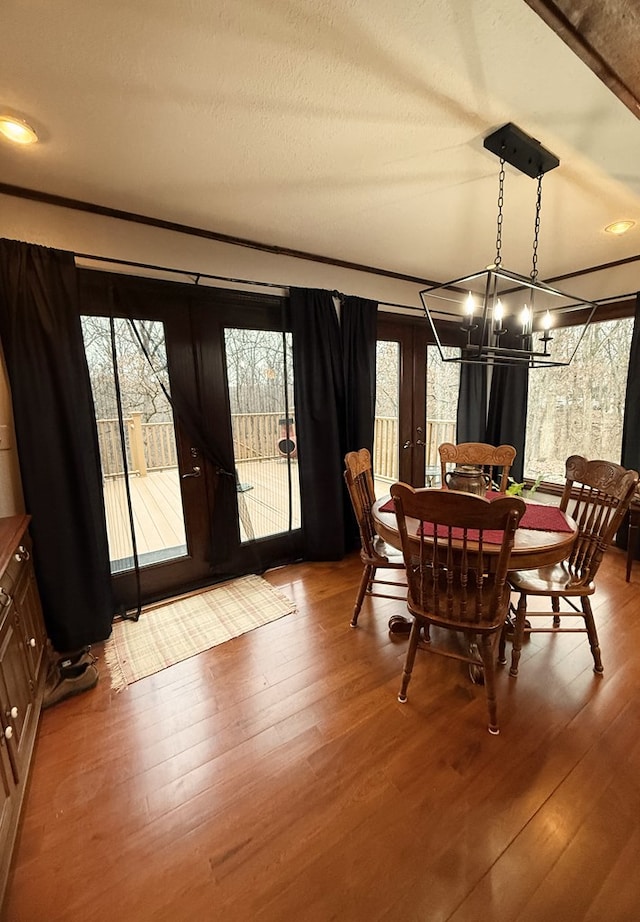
(16, 568)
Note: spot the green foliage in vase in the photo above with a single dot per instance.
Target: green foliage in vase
(517, 489)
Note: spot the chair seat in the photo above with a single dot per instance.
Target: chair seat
(383, 552)
(552, 580)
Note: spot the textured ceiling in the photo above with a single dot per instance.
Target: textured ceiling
(351, 129)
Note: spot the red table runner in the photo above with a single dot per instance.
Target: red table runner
(537, 517)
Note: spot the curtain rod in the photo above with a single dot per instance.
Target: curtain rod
(196, 276)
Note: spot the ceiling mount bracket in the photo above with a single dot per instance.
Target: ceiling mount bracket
(521, 151)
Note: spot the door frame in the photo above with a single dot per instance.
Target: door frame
(195, 318)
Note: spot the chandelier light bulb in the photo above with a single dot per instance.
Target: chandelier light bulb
(469, 305)
(546, 321)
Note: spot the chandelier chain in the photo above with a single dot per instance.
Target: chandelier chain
(498, 258)
(536, 232)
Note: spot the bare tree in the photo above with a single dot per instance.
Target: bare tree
(141, 376)
(579, 408)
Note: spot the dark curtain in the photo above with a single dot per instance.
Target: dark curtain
(507, 416)
(320, 421)
(471, 424)
(630, 455)
(359, 325)
(359, 329)
(57, 441)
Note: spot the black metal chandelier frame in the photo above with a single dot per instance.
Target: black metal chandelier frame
(508, 318)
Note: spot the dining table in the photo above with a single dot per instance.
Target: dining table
(544, 537)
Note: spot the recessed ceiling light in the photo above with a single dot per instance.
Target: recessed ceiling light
(16, 130)
(619, 227)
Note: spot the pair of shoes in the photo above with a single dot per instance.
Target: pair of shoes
(61, 663)
(70, 679)
(73, 681)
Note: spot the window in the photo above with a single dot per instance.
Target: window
(578, 408)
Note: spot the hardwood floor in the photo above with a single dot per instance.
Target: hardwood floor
(276, 777)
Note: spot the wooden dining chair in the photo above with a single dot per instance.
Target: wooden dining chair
(374, 553)
(596, 495)
(450, 585)
(497, 461)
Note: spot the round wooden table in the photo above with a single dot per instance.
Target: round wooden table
(532, 549)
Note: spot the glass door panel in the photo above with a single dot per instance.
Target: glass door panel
(145, 468)
(259, 371)
(442, 387)
(416, 403)
(387, 416)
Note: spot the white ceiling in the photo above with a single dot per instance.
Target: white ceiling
(351, 129)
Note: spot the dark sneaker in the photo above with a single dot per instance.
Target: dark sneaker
(83, 657)
(71, 681)
(62, 665)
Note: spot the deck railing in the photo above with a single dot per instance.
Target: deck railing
(385, 441)
(152, 447)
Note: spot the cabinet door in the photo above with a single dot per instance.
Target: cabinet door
(7, 783)
(16, 690)
(31, 623)
(19, 585)
(8, 812)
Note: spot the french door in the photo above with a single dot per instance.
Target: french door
(193, 394)
(416, 404)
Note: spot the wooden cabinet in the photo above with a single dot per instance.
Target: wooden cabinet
(22, 674)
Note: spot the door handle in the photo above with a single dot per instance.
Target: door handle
(408, 444)
(194, 472)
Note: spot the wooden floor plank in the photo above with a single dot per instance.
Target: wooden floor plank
(277, 776)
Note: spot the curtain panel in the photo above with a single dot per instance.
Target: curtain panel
(57, 441)
(334, 365)
(507, 415)
(359, 328)
(471, 423)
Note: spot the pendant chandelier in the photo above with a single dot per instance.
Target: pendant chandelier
(507, 318)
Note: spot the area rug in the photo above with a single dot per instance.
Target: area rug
(180, 629)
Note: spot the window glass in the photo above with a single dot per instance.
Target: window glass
(443, 385)
(260, 375)
(145, 468)
(578, 408)
(385, 436)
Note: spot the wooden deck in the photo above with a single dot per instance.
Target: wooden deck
(157, 507)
